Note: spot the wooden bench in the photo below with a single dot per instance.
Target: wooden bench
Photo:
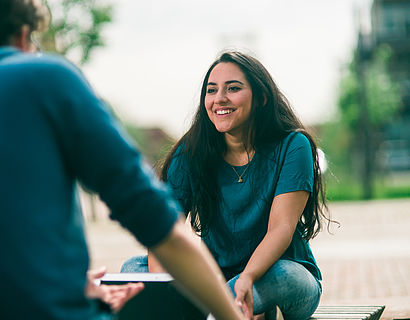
(348, 312)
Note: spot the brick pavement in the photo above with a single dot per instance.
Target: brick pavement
(365, 261)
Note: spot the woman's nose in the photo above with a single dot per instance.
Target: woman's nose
(221, 96)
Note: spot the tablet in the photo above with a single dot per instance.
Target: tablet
(122, 278)
(159, 299)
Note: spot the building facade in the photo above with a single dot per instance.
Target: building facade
(390, 25)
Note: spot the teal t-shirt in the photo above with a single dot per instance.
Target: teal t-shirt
(245, 207)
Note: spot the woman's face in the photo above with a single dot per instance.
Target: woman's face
(228, 99)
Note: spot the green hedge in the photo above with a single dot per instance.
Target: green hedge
(343, 187)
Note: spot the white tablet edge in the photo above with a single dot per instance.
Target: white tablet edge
(135, 277)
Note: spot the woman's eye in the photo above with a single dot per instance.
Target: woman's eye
(211, 90)
(234, 89)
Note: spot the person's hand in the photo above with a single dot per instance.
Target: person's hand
(244, 297)
(117, 295)
(114, 295)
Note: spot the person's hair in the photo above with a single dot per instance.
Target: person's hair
(14, 14)
(271, 120)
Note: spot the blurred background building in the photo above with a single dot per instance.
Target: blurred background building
(368, 143)
(390, 20)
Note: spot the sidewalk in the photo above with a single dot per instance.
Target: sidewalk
(366, 261)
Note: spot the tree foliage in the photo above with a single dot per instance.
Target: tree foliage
(76, 27)
(383, 97)
(368, 97)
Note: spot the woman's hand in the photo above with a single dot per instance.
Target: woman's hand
(114, 295)
(244, 297)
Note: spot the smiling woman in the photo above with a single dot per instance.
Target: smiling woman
(247, 175)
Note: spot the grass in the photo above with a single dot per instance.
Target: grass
(346, 186)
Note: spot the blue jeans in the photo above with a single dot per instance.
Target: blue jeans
(287, 284)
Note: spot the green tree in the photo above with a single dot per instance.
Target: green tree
(76, 27)
(383, 97)
(384, 94)
(368, 99)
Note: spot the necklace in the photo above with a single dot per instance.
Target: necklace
(240, 179)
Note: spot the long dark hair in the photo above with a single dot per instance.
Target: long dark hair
(271, 120)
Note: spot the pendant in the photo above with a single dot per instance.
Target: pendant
(240, 180)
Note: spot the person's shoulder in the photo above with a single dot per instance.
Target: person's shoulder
(38, 59)
(297, 139)
(44, 66)
(293, 139)
(180, 155)
(180, 160)
(291, 142)
(180, 149)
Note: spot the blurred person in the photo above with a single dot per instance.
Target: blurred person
(55, 131)
(247, 176)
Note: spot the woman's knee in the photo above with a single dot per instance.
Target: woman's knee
(136, 264)
(285, 283)
(299, 289)
(289, 274)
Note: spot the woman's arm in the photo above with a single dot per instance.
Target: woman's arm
(197, 273)
(284, 215)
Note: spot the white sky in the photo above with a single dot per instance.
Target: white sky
(159, 50)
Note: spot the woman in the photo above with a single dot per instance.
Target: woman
(247, 172)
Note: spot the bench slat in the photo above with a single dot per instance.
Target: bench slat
(348, 312)
(359, 308)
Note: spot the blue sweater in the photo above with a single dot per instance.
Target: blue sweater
(54, 131)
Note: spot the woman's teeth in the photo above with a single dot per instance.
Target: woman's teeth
(224, 111)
